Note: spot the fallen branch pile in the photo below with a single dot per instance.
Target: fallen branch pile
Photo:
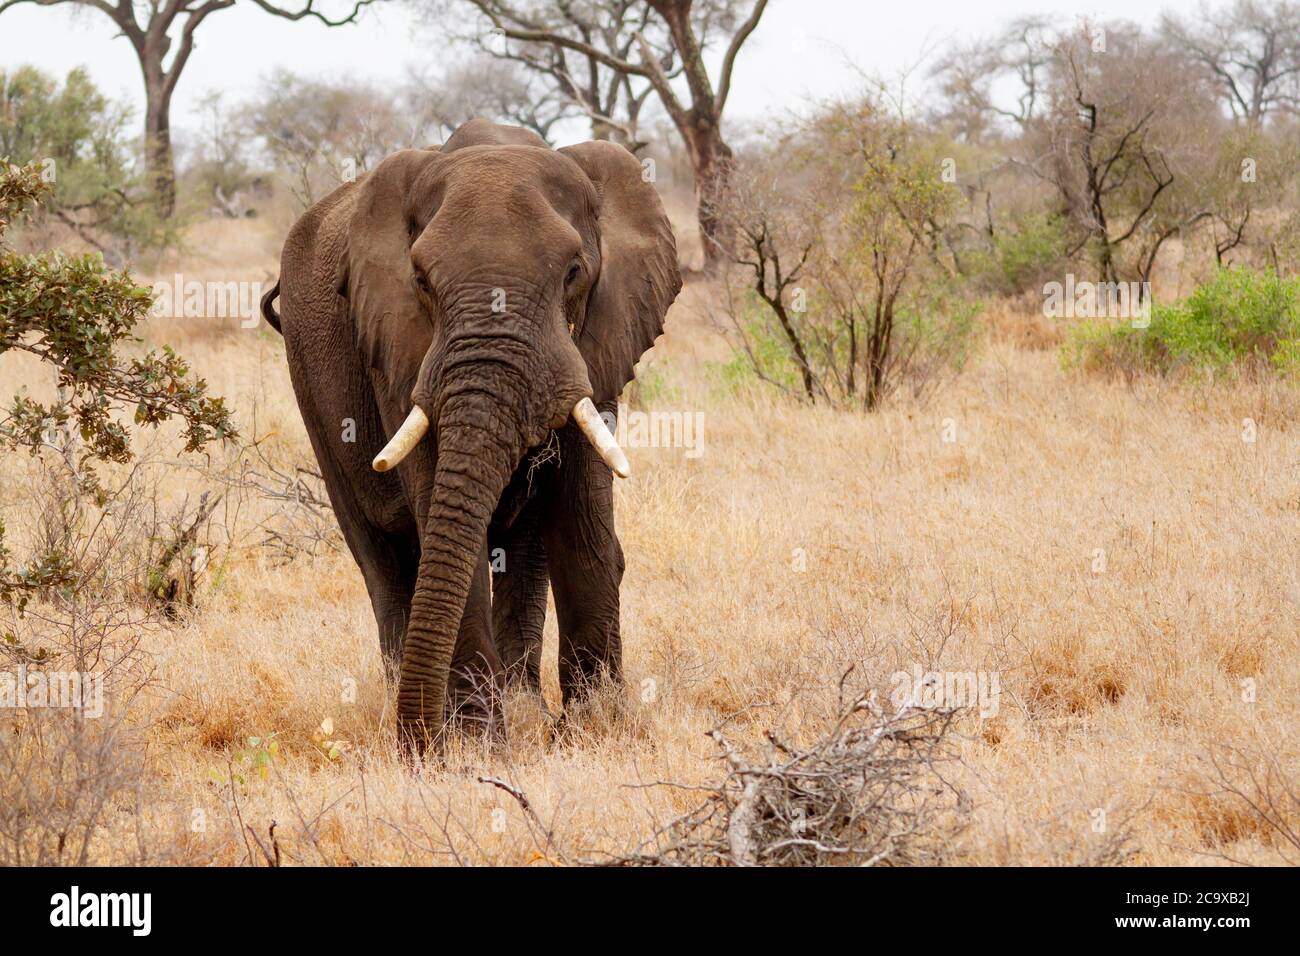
(867, 792)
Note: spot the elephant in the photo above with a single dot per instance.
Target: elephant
(459, 324)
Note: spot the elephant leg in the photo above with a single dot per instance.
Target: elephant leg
(477, 680)
(585, 562)
(379, 530)
(389, 567)
(519, 586)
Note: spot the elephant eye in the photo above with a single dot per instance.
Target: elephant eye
(422, 282)
(572, 275)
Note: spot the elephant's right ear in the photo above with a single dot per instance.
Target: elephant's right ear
(393, 204)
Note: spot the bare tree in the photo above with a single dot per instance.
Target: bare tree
(611, 99)
(321, 133)
(643, 40)
(839, 229)
(1121, 125)
(1118, 119)
(160, 28)
(1250, 49)
(482, 86)
(968, 73)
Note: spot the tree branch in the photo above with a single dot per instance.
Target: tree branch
(729, 60)
(310, 11)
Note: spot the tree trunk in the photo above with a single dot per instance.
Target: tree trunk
(711, 162)
(159, 160)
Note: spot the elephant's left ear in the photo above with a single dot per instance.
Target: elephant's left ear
(638, 273)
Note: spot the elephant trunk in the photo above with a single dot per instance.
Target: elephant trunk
(479, 444)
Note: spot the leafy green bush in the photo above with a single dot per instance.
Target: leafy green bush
(934, 334)
(78, 138)
(68, 583)
(1026, 254)
(940, 332)
(1021, 254)
(1240, 319)
(764, 354)
(74, 314)
(847, 294)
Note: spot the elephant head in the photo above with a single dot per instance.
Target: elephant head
(496, 287)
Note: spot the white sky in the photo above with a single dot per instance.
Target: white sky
(803, 50)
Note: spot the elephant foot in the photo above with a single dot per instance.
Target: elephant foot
(477, 722)
(591, 689)
(524, 674)
(475, 706)
(415, 739)
(594, 711)
(420, 743)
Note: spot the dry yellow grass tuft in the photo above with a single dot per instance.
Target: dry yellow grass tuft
(1120, 557)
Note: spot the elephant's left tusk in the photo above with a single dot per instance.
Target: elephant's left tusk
(597, 432)
(407, 437)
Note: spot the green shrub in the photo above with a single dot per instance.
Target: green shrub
(1240, 319)
(934, 336)
(766, 354)
(77, 137)
(78, 317)
(1026, 254)
(1020, 255)
(941, 331)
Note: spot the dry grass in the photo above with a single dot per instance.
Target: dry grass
(802, 541)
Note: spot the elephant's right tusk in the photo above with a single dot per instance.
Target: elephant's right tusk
(407, 437)
(597, 432)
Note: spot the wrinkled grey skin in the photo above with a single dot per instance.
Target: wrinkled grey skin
(494, 282)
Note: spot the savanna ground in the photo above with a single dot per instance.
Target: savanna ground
(1121, 555)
